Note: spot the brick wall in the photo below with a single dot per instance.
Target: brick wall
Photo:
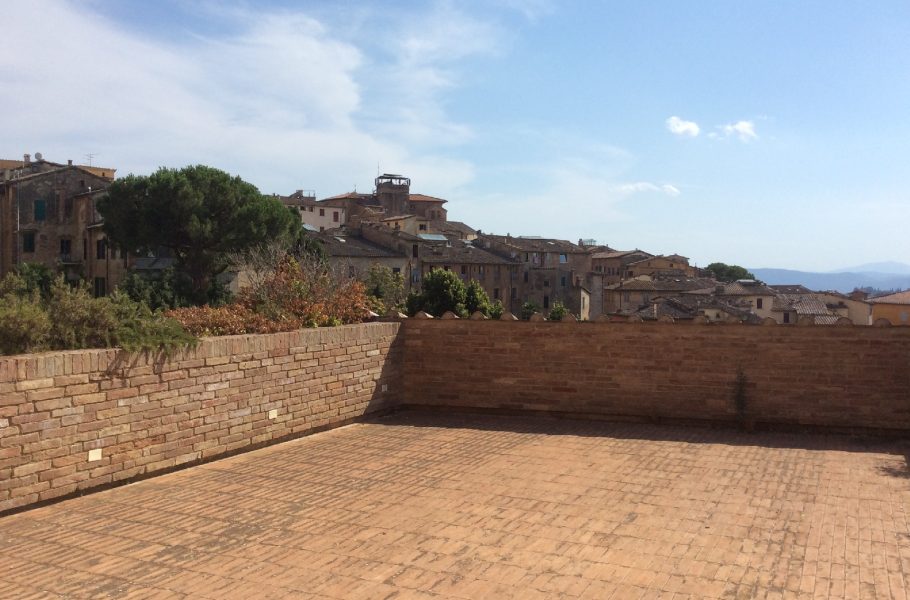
(825, 376)
(60, 411)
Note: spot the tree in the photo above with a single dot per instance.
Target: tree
(385, 289)
(728, 273)
(198, 213)
(440, 291)
(476, 299)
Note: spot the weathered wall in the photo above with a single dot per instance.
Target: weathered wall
(57, 408)
(825, 376)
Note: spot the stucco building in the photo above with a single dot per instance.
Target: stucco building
(894, 307)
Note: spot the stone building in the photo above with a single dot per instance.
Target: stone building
(48, 216)
(549, 270)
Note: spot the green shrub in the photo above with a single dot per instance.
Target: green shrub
(496, 309)
(558, 311)
(528, 309)
(70, 318)
(24, 325)
(476, 299)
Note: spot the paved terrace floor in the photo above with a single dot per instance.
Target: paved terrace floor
(443, 506)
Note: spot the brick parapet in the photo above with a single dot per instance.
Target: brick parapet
(148, 413)
(843, 377)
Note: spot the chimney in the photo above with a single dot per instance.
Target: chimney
(26, 158)
(69, 162)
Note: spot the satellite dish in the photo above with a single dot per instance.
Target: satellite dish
(38, 156)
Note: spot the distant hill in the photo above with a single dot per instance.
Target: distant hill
(845, 281)
(886, 268)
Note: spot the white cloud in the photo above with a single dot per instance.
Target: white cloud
(681, 127)
(646, 186)
(279, 102)
(744, 130)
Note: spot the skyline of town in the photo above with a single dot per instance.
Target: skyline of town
(765, 136)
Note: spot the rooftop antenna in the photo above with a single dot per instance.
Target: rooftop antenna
(89, 157)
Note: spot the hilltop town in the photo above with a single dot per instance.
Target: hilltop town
(48, 216)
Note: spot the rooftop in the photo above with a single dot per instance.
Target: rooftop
(423, 505)
(535, 244)
(424, 198)
(898, 298)
(351, 246)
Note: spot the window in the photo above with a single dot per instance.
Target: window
(786, 317)
(414, 251)
(28, 241)
(495, 293)
(100, 287)
(583, 301)
(758, 303)
(68, 208)
(396, 269)
(514, 293)
(66, 248)
(526, 276)
(40, 210)
(101, 249)
(546, 283)
(563, 258)
(422, 227)
(351, 271)
(321, 212)
(562, 281)
(446, 267)
(480, 270)
(546, 302)
(335, 216)
(464, 270)
(321, 228)
(311, 209)
(84, 249)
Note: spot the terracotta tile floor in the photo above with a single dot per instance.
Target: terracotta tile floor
(430, 506)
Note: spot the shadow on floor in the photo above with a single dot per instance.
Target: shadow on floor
(694, 433)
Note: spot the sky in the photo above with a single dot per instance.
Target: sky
(767, 133)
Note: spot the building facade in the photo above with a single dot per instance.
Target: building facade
(48, 216)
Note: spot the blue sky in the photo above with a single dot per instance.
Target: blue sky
(768, 134)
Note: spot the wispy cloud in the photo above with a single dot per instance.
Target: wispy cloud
(646, 186)
(280, 96)
(683, 128)
(744, 131)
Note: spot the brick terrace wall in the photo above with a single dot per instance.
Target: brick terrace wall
(825, 376)
(58, 410)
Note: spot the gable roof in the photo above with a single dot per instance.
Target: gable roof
(619, 253)
(536, 244)
(747, 287)
(425, 198)
(896, 298)
(457, 252)
(350, 246)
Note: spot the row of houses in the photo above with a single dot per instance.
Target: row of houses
(48, 216)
